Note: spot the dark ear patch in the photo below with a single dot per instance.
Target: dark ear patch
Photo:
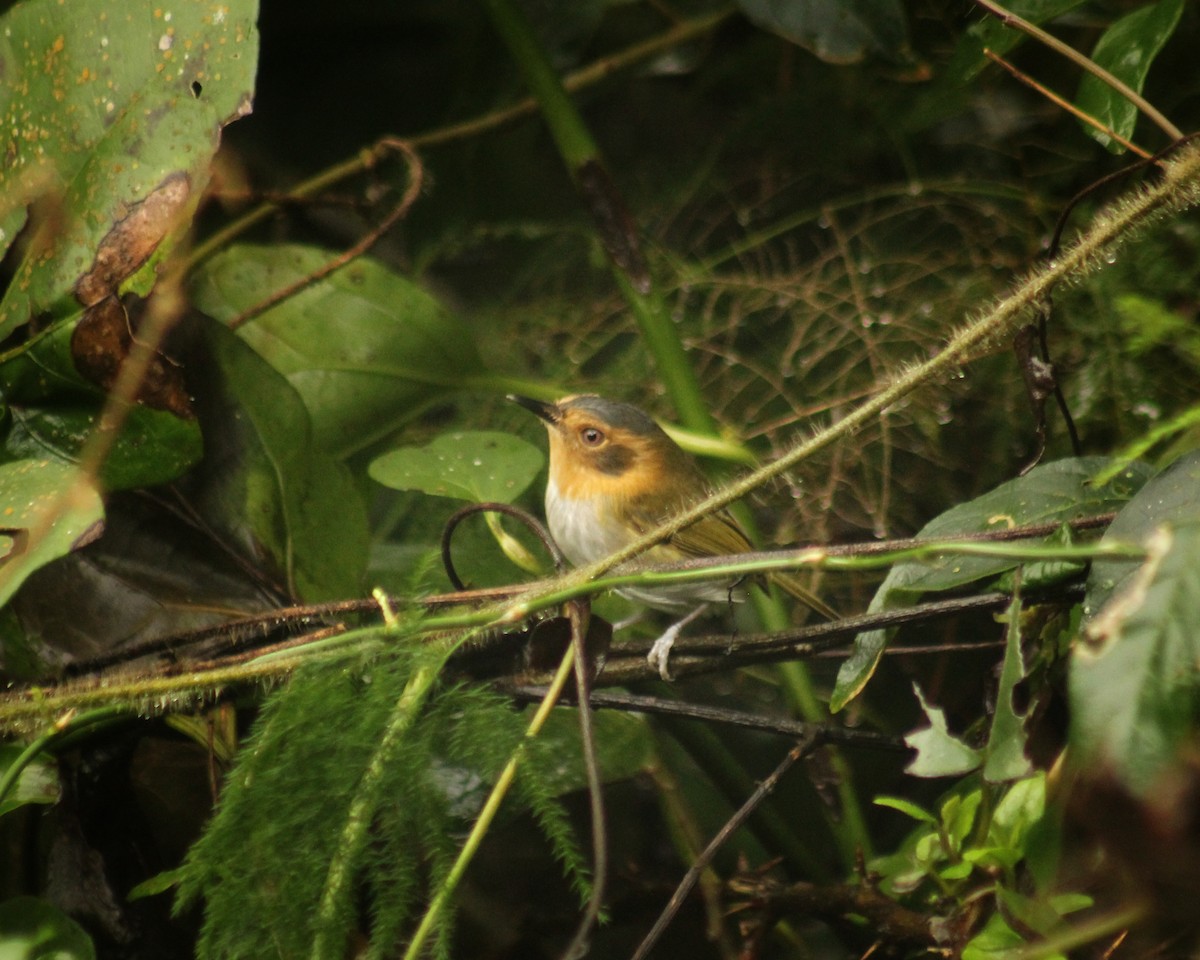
(613, 459)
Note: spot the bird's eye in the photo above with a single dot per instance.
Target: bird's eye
(591, 437)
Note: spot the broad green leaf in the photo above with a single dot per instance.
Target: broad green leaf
(111, 103)
(1005, 750)
(939, 752)
(1050, 493)
(1171, 497)
(476, 466)
(50, 510)
(837, 31)
(37, 783)
(32, 929)
(152, 448)
(365, 348)
(1134, 690)
(1126, 50)
(272, 487)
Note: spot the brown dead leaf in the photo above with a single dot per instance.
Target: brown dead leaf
(133, 238)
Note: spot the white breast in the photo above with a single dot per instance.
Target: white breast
(577, 527)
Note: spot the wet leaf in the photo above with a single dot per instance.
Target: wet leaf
(476, 466)
(140, 93)
(1049, 493)
(152, 448)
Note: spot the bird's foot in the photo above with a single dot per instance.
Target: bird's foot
(660, 650)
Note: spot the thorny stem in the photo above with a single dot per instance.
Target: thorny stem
(1178, 188)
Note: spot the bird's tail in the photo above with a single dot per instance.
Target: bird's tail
(790, 584)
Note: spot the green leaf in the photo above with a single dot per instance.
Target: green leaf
(1050, 493)
(939, 753)
(365, 348)
(837, 31)
(1127, 50)
(1171, 497)
(32, 929)
(51, 509)
(153, 886)
(907, 807)
(37, 783)
(958, 815)
(1133, 675)
(476, 466)
(269, 485)
(995, 941)
(1005, 750)
(1018, 812)
(990, 33)
(153, 447)
(119, 100)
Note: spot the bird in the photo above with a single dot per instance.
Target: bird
(614, 475)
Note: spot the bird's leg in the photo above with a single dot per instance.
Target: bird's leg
(660, 651)
(630, 620)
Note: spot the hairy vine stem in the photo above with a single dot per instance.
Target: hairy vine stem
(1177, 189)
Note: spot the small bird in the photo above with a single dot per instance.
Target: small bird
(615, 475)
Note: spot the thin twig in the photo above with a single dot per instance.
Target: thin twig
(1010, 19)
(579, 613)
(784, 726)
(368, 240)
(800, 750)
(1065, 104)
(366, 159)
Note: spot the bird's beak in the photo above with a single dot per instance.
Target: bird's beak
(549, 412)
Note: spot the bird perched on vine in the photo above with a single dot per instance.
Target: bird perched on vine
(614, 476)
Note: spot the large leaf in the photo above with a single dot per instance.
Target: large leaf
(838, 31)
(48, 509)
(1050, 493)
(1126, 50)
(472, 465)
(1134, 677)
(270, 487)
(115, 107)
(152, 448)
(1171, 497)
(33, 929)
(366, 348)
